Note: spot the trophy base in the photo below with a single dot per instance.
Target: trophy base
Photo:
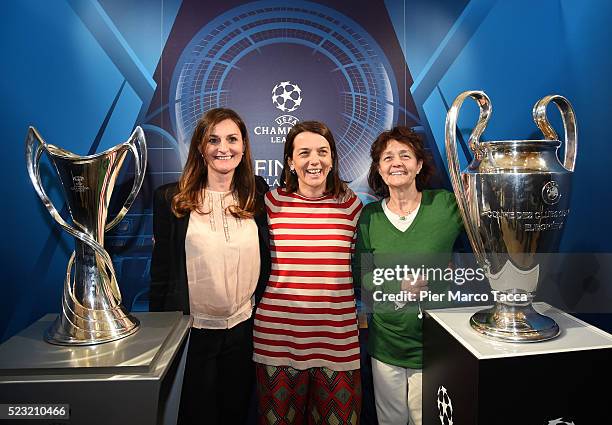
(512, 323)
(65, 332)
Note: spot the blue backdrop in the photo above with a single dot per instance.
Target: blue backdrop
(85, 72)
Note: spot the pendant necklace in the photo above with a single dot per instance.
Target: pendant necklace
(405, 217)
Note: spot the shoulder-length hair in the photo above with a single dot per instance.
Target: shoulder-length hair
(190, 196)
(409, 138)
(289, 181)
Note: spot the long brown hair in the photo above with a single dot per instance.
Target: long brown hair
(194, 177)
(289, 181)
(409, 138)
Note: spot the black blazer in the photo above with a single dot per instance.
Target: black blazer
(168, 291)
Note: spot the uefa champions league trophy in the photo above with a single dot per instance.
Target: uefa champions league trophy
(91, 303)
(514, 199)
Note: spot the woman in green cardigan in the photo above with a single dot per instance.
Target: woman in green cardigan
(409, 225)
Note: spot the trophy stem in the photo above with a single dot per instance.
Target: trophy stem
(514, 323)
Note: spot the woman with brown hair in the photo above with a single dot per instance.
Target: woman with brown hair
(305, 335)
(410, 224)
(209, 258)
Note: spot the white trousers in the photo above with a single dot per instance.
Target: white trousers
(398, 394)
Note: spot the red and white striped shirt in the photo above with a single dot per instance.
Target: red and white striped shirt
(307, 316)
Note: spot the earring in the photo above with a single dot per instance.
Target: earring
(292, 170)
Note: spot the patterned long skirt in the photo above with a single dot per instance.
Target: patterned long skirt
(313, 396)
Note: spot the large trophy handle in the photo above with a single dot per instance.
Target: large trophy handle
(484, 103)
(569, 126)
(33, 154)
(138, 147)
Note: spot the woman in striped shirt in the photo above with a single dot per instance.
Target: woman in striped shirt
(305, 336)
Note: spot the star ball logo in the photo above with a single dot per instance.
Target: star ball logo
(551, 193)
(287, 96)
(445, 406)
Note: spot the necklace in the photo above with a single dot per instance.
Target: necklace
(405, 217)
(404, 214)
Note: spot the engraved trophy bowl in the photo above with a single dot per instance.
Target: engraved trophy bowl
(514, 199)
(91, 301)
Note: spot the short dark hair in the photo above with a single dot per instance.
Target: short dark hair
(333, 186)
(408, 137)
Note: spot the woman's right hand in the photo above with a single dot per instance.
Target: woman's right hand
(414, 285)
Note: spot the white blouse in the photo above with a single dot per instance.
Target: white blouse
(222, 254)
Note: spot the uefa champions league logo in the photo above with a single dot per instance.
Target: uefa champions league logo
(287, 96)
(445, 407)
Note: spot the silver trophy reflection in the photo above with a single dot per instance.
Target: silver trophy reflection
(91, 303)
(514, 199)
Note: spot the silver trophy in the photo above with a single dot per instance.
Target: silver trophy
(514, 199)
(91, 303)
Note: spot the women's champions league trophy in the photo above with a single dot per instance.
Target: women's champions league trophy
(91, 303)
(514, 199)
